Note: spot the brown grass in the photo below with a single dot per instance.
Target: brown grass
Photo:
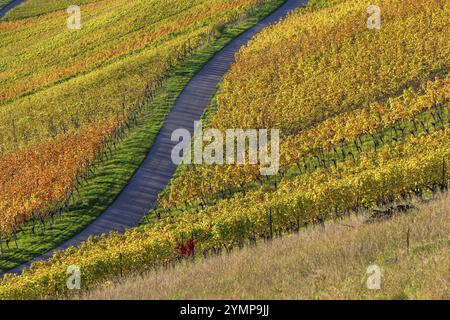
(319, 263)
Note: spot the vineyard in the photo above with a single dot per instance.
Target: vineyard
(30, 9)
(66, 113)
(283, 89)
(384, 177)
(364, 118)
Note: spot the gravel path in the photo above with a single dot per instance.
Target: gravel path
(155, 172)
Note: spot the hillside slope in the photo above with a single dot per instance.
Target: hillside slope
(364, 120)
(328, 263)
(58, 116)
(70, 149)
(187, 105)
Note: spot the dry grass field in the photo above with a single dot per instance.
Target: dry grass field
(412, 251)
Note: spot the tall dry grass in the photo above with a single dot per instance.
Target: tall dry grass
(412, 250)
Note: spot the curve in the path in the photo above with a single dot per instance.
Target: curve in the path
(138, 197)
(10, 6)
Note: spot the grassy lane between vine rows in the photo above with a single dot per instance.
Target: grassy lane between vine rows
(320, 263)
(112, 174)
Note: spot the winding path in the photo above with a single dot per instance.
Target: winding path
(138, 197)
(10, 6)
